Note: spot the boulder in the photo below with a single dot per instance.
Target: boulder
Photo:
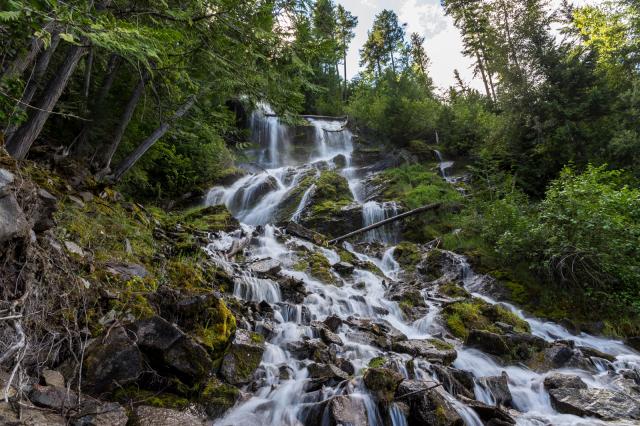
(488, 342)
(333, 322)
(561, 381)
(457, 382)
(153, 416)
(29, 417)
(327, 372)
(498, 386)
(190, 360)
(633, 342)
(53, 397)
(601, 403)
(430, 349)
(343, 268)
(383, 382)
(218, 397)
(428, 404)
(292, 289)
(12, 219)
(346, 366)
(97, 413)
(112, 361)
(490, 414)
(313, 349)
(126, 271)
(300, 231)
(6, 179)
(242, 358)
(53, 378)
(347, 410)
(43, 217)
(266, 268)
(330, 337)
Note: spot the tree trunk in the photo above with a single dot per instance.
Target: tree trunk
(133, 158)
(23, 61)
(125, 119)
(87, 80)
(20, 143)
(393, 63)
(344, 92)
(98, 103)
(32, 86)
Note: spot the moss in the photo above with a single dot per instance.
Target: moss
(452, 289)
(131, 300)
(218, 397)
(461, 317)
(217, 329)
(407, 255)
(331, 195)
(377, 362)
(441, 345)
(346, 256)
(211, 219)
(441, 415)
(316, 265)
(133, 395)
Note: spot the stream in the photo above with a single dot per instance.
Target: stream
(286, 391)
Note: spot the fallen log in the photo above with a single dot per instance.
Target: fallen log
(428, 207)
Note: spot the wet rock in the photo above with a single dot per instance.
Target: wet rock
(343, 268)
(333, 322)
(12, 219)
(266, 267)
(488, 342)
(153, 416)
(29, 417)
(242, 357)
(427, 404)
(96, 413)
(313, 349)
(456, 382)
(330, 337)
(285, 372)
(498, 386)
(347, 410)
(292, 289)
(346, 366)
(327, 372)
(490, 414)
(112, 361)
(560, 381)
(43, 218)
(561, 355)
(218, 397)
(300, 231)
(337, 221)
(430, 349)
(383, 382)
(633, 342)
(53, 378)
(379, 333)
(126, 271)
(590, 352)
(601, 403)
(53, 397)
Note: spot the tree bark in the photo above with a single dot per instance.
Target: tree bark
(413, 212)
(125, 119)
(98, 103)
(20, 143)
(87, 79)
(32, 86)
(133, 158)
(344, 57)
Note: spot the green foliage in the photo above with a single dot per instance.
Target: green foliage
(461, 317)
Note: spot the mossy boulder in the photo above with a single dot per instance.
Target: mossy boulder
(243, 357)
(408, 255)
(211, 218)
(429, 349)
(218, 397)
(318, 266)
(475, 314)
(383, 382)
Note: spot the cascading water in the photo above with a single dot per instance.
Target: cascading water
(355, 296)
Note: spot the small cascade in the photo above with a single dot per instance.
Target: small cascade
(444, 166)
(373, 212)
(304, 202)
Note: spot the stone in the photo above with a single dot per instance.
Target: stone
(53, 378)
(6, 179)
(383, 382)
(459, 382)
(12, 219)
(330, 337)
(86, 196)
(488, 342)
(266, 267)
(292, 289)
(74, 248)
(112, 361)
(346, 366)
(633, 342)
(343, 268)
(428, 404)
(218, 397)
(313, 349)
(490, 414)
(189, 359)
(560, 381)
(154, 416)
(326, 371)
(97, 413)
(242, 358)
(77, 201)
(347, 410)
(43, 217)
(300, 231)
(601, 403)
(430, 349)
(29, 417)
(333, 322)
(126, 271)
(498, 386)
(155, 334)
(53, 397)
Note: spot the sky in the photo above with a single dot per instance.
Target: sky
(426, 17)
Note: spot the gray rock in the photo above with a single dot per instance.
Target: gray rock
(343, 268)
(560, 381)
(97, 413)
(153, 416)
(74, 248)
(498, 386)
(242, 358)
(327, 372)
(346, 366)
(29, 417)
(189, 359)
(427, 404)
(488, 342)
(53, 378)
(126, 271)
(313, 349)
(266, 267)
(330, 337)
(347, 410)
(490, 414)
(86, 196)
(383, 382)
(6, 179)
(12, 220)
(77, 201)
(54, 397)
(43, 217)
(430, 349)
(333, 322)
(155, 334)
(601, 403)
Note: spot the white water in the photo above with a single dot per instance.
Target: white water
(361, 295)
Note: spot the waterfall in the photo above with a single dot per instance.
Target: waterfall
(373, 212)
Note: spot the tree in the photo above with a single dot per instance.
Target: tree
(346, 24)
(385, 40)
(420, 59)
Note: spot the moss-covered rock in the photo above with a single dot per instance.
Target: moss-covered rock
(453, 290)
(316, 264)
(242, 358)
(383, 382)
(408, 255)
(217, 397)
(475, 314)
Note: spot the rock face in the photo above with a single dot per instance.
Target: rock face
(29, 417)
(12, 220)
(101, 414)
(430, 349)
(242, 357)
(427, 405)
(152, 416)
(560, 381)
(601, 403)
(266, 267)
(383, 382)
(347, 410)
(499, 388)
(54, 397)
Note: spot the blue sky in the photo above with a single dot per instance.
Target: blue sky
(426, 17)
